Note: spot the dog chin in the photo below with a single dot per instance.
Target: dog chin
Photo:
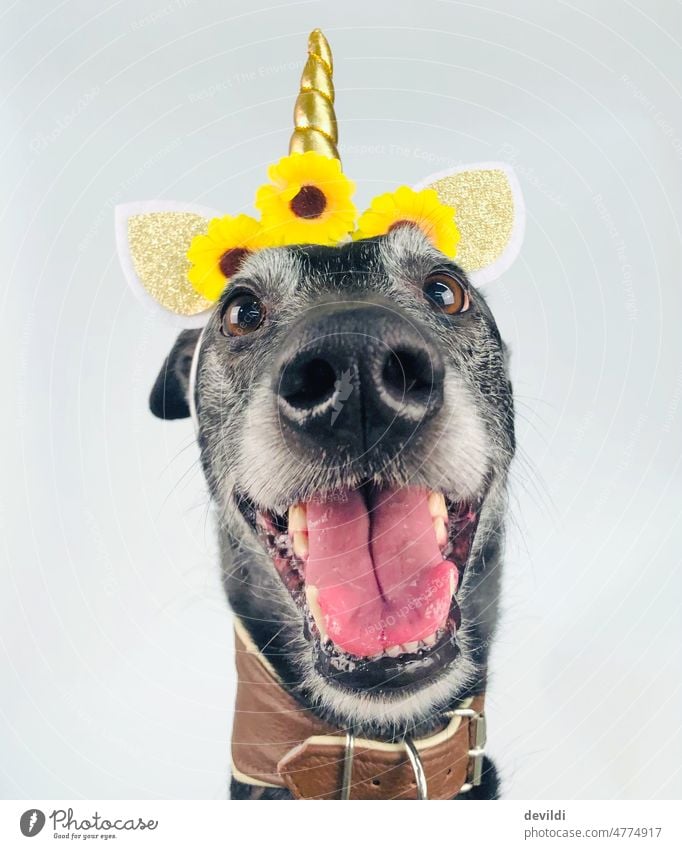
(384, 711)
(377, 576)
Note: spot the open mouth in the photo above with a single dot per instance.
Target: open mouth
(376, 573)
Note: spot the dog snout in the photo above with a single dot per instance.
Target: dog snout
(360, 375)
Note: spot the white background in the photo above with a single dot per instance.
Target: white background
(116, 675)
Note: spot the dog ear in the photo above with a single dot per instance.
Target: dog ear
(152, 239)
(489, 213)
(169, 398)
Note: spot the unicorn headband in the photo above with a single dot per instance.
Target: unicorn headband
(179, 257)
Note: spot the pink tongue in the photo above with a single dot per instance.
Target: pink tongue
(381, 578)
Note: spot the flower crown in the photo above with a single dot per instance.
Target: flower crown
(181, 257)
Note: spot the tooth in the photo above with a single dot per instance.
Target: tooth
(300, 544)
(394, 651)
(430, 641)
(411, 647)
(437, 506)
(440, 530)
(298, 520)
(453, 582)
(311, 594)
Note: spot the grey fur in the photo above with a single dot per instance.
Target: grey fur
(243, 450)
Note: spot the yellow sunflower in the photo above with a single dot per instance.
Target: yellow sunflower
(308, 201)
(216, 255)
(406, 207)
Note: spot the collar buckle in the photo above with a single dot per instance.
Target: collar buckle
(477, 739)
(412, 755)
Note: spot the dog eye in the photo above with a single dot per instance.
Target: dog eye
(243, 314)
(445, 293)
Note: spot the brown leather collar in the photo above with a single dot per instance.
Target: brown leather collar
(278, 743)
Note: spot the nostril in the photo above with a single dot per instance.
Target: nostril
(408, 374)
(307, 384)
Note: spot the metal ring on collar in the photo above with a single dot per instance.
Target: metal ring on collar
(417, 768)
(347, 778)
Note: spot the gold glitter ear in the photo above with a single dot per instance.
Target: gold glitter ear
(153, 239)
(489, 214)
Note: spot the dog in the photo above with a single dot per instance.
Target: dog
(354, 415)
(355, 420)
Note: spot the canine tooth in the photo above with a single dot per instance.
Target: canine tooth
(440, 530)
(298, 519)
(411, 647)
(430, 641)
(394, 651)
(300, 544)
(311, 594)
(453, 583)
(437, 506)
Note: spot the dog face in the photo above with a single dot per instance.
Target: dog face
(355, 421)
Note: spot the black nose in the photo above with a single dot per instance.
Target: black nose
(356, 375)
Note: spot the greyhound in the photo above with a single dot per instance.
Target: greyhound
(355, 421)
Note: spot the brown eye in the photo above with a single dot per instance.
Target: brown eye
(242, 314)
(445, 293)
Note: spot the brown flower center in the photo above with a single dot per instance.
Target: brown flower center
(231, 260)
(402, 223)
(310, 202)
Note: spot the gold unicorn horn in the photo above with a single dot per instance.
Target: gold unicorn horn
(314, 116)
